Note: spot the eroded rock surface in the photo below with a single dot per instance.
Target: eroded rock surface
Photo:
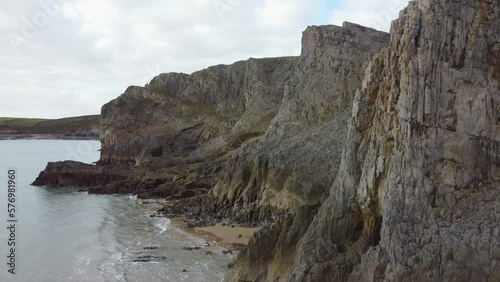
(416, 197)
(295, 161)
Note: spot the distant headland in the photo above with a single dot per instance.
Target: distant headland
(72, 128)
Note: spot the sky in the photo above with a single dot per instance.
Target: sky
(61, 58)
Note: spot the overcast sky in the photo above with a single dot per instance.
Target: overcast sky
(62, 58)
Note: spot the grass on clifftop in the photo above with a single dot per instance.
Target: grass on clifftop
(209, 110)
(70, 125)
(23, 122)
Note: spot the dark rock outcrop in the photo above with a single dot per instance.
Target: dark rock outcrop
(76, 174)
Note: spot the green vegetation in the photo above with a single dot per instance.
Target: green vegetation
(64, 126)
(200, 108)
(264, 122)
(20, 121)
(208, 110)
(160, 92)
(205, 109)
(72, 122)
(275, 60)
(256, 130)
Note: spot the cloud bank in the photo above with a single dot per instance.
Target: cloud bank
(66, 58)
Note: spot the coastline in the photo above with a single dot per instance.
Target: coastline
(232, 237)
(47, 137)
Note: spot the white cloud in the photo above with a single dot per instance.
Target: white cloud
(144, 30)
(104, 44)
(98, 16)
(377, 14)
(91, 50)
(281, 13)
(69, 11)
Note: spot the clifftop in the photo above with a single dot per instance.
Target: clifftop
(349, 36)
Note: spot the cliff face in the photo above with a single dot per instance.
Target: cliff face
(416, 197)
(166, 118)
(297, 158)
(188, 116)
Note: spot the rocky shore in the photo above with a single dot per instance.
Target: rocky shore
(371, 157)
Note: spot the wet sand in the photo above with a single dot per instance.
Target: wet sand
(227, 236)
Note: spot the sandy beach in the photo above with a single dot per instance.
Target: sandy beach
(228, 236)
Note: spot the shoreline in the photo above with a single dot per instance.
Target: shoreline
(231, 237)
(47, 137)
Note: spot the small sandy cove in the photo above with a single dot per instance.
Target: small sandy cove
(225, 235)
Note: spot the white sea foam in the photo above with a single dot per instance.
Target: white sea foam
(117, 256)
(163, 224)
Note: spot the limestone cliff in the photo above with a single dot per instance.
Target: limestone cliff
(416, 197)
(187, 116)
(294, 162)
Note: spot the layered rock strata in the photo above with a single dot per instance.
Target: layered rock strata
(293, 164)
(416, 197)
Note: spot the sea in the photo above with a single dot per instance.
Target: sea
(63, 235)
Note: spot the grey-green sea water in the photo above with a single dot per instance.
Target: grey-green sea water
(64, 235)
